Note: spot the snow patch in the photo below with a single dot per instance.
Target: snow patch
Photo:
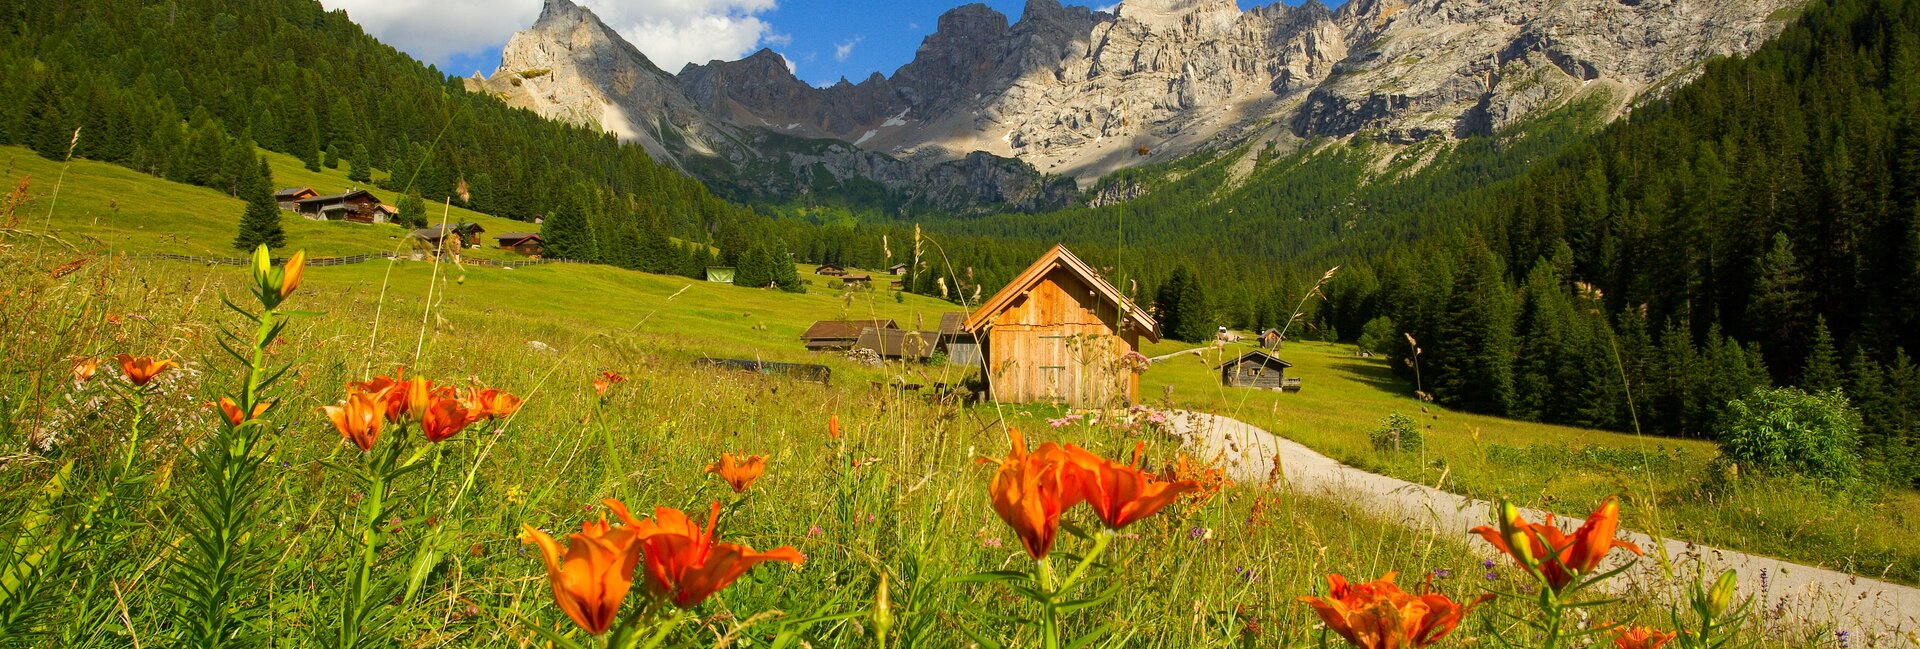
(793, 126)
(897, 120)
(863, 138)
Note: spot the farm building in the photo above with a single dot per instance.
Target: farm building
(830, 270)
(1254, 369)
(897, 269)
(355, 205)
(840, 335)
(1060, 332)
(853, 279)
(899, 344)
(1270, 339)
(961, 347)
(526, 243)
(721, 274)
(467, 233)
(291, 195)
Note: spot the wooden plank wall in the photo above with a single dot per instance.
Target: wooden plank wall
(1058, 343)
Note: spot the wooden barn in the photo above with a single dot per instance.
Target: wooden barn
(897, 269)
(960, 346)
(1059, 332)
(526, 243)
(287, 198)
(899, 344)
(840, 335)
(356, 205)
(829, 270)
(1254, 369)
(1270, 339)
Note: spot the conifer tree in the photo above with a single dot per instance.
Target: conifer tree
(1475, 340)
(1822, 371)
(754, 269)
(785, 275)
(413, 211)
(566, 231)
(1778, 308)
(260, 224)
(360, 166)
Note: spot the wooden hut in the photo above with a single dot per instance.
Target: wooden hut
(288, 197)
(1060, 332)
(897, 269)
(829, 270)
(353, 205)
(840, 335)
(526, 243)
(1254, 369)
(1270, 339)
(960, 346)
(856, 279)
(899, 344)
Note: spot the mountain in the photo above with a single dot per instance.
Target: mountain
(1082, 93)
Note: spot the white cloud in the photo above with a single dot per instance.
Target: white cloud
(671, 32)
(844, 50)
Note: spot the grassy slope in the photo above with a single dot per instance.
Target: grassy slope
(1344, 396)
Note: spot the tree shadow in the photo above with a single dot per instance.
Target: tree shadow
(1377, 375)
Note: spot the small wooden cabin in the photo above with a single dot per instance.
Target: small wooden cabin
(899, 344)
(1060, 332)
(897, 269)
(829, 270)
(960, 346)
(1254, 369)
(288, 197)
(356, 205)
(466, 233)
(1270, 339)
(840, 335)
(852, 279)
(526, 243)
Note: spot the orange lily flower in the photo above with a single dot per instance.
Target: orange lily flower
(419, 397)
(84, 368)
(1030, 491)
(684, 564)
(291, 272)
(1557, 556)
(1642, 638)
(593, 575)
(444, 418)
(1379, 615)
(739, 472)
(492, 402)
(1122, 494)
(394, 404)
(833, 427)
(358, 417)
(606, 380)
(233, 414)
(141, 369)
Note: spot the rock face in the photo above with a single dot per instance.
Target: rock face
(1071, 91)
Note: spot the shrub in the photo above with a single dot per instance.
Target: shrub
(1397, 433)
(1787, 430)
(1379, 336)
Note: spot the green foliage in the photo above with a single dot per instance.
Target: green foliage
(260, 225)
(1183, 309)
(360, 167)
(1787, 430)
(1397, 433)
(1379, 336)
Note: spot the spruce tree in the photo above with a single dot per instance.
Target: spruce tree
(1474, 343)
(1777, 311)
(360, 167)
(567, 233)
(413, 211)
(1822, 371)
(753, 270)
(260, 224)
(785, 275)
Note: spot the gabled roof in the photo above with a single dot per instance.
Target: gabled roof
(1255, 356)
(899, 343)
(293, 191)
(1060, 257)
(844, 329)
(519, 236)
(334, 198)
(951, 322)
(861, 277)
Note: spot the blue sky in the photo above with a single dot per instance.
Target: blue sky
(824, 39)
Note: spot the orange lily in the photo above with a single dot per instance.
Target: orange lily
(1030, 491)
(358, 417)
(1642, 638)
(594, 574)
(419, 397)
(444, 418)
(394, 404)
(1379, 615)
(84, 368)
(1542, 548)
(291, 272)
(833, 427)
(739, 472)
(1122, 494)
(606, 380)
(234, 415)
(492, 402)
(141, 369)
(684, 564)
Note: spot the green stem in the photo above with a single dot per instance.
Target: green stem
(353, 609)
(1050, 618)
(133, 429)
(1100, 541)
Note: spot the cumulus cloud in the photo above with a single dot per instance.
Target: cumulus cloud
(671, 32)
(844, 50)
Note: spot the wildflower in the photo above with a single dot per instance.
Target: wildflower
(593, 576)
(1542, 548)
(358, 417)
(291, 272)
(991, 542)
(1211, 479)
(814, 531)
(684, 564)
(1441, 573)
(1721, 594)
(393, 389)
(739, 472)
(1641, 638)
(276, 284)
(833, 427)
(1122, 494)
(443, 418)
(141, 369)
(1247, 573)
(606, 380)
(492, 403)
(1200, 533)
(234, 415)
(84, 368)
(1030, 491)
(419, 397)
(1378, 614)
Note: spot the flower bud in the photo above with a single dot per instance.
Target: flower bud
(1722, 593)
(289, 278)
(1518, 539)
(419, 397)
(882, 610)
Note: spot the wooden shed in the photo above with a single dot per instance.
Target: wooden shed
(287, 198)
(1270, 339)
(1060, 332)
(1254, 369)
(526, 243)
(837, 335)
(352, 205)
(829, 270)
(899, 344)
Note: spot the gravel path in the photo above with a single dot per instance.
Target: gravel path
(1793, 596)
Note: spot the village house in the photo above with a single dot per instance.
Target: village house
(466, 234)
(856, 279)
(287, 198)
(526, 243)
(830, 270)
(840, 335)
(1059, 332)
(1256, 369)
(358, 205)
